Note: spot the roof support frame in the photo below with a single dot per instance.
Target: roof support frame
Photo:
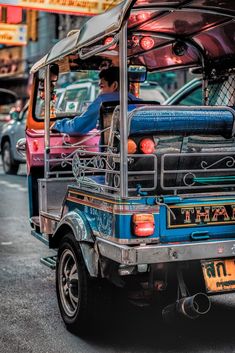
(123, 112)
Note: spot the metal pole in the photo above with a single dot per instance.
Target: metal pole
(47, 84)
(123, 112)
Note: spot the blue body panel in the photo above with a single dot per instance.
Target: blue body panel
(186, 233)
(113, 219)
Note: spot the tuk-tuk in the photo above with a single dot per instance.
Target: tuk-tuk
(146, 201)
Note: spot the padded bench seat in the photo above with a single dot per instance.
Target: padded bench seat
(182, 120)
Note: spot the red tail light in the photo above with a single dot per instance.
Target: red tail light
(143, 16)
(139, 17)
(35, 145)
(147, 43)
(109, 40)
(143, 224)
(131, 146)
(147, 146)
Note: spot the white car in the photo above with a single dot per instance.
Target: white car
(152, 91)
(75, 97)
(11, 133)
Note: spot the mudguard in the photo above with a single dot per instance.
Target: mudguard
(81, 230)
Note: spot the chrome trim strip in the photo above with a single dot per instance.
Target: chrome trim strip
(127, 241)
(150, 254)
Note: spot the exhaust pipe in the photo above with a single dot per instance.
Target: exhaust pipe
(190, 307)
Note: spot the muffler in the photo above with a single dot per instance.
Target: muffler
(190, 307)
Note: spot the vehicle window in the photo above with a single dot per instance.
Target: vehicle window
(65, 100)
(58, 95)
(74, 99)
(40, 106)
(152, 94)
(40, 100)
(97, 89)
(193, 98)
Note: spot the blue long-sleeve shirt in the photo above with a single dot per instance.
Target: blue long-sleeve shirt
(88, 120)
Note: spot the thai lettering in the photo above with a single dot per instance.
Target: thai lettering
(225, 284)
(216, 270)
(187, 212)
(219, 266)
(210, 270)
(233, 211)
(205, 214)
(202, 215)
(219, 211)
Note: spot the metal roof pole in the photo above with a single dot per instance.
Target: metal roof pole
(47, 85)
(123, 111)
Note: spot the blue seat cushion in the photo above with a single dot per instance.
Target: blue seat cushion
(181, 120)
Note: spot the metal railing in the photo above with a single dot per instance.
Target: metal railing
(191, 171)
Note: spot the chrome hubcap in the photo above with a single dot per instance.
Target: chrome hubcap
(68, 282)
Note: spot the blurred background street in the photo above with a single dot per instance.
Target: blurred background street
(30, 321)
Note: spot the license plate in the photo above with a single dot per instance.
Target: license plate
(219, 275)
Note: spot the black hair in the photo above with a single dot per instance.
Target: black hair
(110, 74)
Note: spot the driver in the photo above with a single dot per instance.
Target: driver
(109, 91)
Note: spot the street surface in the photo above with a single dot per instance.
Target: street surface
(29, 317)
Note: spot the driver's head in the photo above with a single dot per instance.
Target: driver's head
(109, 80)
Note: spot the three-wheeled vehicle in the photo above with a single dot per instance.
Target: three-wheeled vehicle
(147, 200)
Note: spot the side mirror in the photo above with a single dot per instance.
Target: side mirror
(21, 147)
(14, 115)
(137, 73)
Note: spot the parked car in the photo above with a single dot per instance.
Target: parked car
(7, 98)
(76, 97)
(153, 91)
(189, 94)
(11, 133)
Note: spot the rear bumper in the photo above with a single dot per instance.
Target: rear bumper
(159, 253)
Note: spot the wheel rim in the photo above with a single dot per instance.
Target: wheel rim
(6, 159)
(68, 282)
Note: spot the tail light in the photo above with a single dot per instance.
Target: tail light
(143, 16)
(147, 146)
(109, 40)
(135, 19)
(143, 224)
(131, 146)
(147, 43)
(35, 145)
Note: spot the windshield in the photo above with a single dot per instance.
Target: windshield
(74, 99)
(67, 98)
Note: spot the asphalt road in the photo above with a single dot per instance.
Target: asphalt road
(29, 317)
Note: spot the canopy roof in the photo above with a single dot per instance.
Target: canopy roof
(185, 33)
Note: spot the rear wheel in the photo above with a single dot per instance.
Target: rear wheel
(10, 166)
(78, 294)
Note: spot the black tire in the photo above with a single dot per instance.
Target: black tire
(10, 166)
(78, 294)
